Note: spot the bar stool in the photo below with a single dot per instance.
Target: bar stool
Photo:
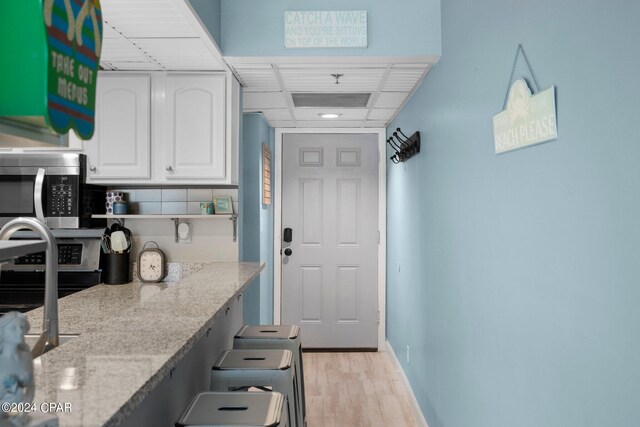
(209, 409)
(283, 337)
(242, 369)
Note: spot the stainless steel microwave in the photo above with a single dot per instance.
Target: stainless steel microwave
(50, 187)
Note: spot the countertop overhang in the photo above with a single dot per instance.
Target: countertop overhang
(15, 248)
(131, 336)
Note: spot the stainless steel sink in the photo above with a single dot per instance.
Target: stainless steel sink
(31, 339)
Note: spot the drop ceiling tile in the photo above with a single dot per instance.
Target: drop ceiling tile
(121, 50)
(402, 79)
(148, 31)
(340, 64)
(259, 79)
(135, 66)
(331, 124)
(390, 99)
(264, 100)
(147, 18)
(375, 124)
(319, 80)
(381, 114)
(110, 33)
(346, 114)
(179, 54)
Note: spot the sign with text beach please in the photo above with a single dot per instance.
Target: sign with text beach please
(325, 29)
(527, 120)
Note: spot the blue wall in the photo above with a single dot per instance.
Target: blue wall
(210, 12)
(266, 244)
(256, 27)
(514, 278)
(256, 220)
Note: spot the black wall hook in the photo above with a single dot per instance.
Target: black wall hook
(404, 148)
(391, 142)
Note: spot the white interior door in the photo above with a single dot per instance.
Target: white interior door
(330, 266)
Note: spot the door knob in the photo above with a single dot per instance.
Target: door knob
(168, 168)
(288, 252)
(92, 168)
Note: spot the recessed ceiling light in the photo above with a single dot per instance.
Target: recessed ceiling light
(329, 115)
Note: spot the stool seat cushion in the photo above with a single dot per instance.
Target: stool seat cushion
(255, 359)
(210, 409)
(269, 332)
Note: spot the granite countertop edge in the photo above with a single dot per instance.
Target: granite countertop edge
(168, 306)
(165, 369)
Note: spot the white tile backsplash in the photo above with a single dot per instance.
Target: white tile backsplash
(211, 240)
(226, 192)
(199, 195)
(176, 208)
(193, 208)
(149, 208)
(174, 195)
(178, 201)
(147, 195)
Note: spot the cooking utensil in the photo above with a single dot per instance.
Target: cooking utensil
(105, 244)
(119, 242)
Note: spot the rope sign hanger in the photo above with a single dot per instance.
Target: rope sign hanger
(520, 51)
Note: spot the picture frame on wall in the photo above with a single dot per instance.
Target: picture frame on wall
(266, 175)
(223, 205)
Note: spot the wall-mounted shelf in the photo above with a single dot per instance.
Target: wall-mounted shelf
(164, 216)
(175, 218)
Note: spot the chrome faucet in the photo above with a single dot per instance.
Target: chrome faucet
(50, 335)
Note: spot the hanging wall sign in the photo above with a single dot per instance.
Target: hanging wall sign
(74, 41)
(527, 120)
(309, 29)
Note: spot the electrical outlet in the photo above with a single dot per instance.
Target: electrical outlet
(408, 355)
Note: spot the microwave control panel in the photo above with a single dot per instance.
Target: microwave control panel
(62, 195)
(68, 254)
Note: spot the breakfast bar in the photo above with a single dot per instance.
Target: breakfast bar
(142, 349)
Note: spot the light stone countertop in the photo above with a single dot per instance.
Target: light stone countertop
(130, 337)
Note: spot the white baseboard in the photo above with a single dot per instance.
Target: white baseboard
(415, 408)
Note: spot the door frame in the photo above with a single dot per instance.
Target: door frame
(382, 220)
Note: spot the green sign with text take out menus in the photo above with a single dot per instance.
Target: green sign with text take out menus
(49, 56)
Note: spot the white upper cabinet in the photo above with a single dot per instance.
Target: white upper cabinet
(120, 147)
(194, 127)
(165, 128)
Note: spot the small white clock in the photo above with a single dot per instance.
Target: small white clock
(151, 264)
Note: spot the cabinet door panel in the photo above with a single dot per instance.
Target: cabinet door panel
(195, 127)
(120, 147)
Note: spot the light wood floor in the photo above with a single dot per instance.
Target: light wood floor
(355, 389)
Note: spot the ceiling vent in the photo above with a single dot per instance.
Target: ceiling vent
(331, 100)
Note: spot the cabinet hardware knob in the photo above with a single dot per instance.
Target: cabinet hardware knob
(169, 168)
(92, 168)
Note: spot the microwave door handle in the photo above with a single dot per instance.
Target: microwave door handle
(37, 195)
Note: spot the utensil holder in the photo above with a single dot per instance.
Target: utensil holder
(116, 269)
